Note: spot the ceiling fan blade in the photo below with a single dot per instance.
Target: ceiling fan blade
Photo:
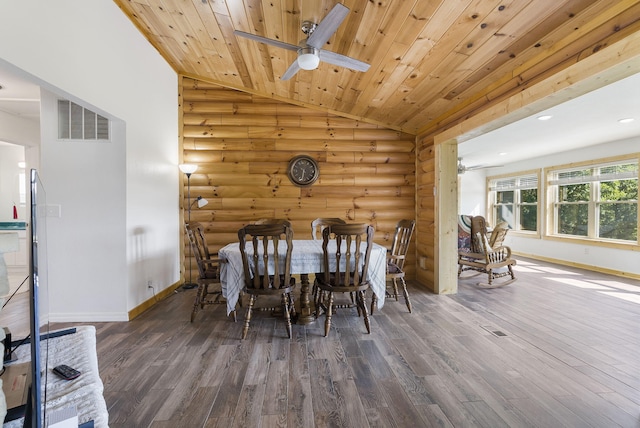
(328, 26)
(291, 71)
(474, 167)
(343, 60)
(271, 42)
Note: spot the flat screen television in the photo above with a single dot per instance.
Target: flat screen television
(35, 412)
(30, 378)
(35, 409)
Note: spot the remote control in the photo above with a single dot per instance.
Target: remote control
(66, 372)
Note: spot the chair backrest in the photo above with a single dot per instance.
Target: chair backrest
(318, 225)
(498, 234)
(272, 221)
(195, 233)
(478, 233)
(401, 241)
(266, 255)
(345, 261)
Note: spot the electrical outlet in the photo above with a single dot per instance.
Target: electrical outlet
(150, 284)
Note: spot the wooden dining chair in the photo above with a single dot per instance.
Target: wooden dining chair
(346, 252)
(266, 260)
(208, 270)
(319, 224)
(396, 258)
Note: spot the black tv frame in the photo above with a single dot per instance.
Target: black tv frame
(35, 411)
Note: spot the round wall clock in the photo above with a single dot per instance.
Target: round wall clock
(303, 170)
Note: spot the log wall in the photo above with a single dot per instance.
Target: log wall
(242, 144)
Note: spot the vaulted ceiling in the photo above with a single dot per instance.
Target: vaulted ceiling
(433, 62)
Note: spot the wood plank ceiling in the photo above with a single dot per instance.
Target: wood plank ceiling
(433, 62)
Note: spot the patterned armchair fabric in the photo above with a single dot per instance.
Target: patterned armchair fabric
(464, 233)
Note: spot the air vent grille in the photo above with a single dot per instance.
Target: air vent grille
(78, 123)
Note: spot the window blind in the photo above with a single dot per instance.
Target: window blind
(514, 183)
(609, 172)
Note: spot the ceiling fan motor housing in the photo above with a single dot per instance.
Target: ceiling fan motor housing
(308, 27)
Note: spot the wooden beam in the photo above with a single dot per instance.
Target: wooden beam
(446, 193)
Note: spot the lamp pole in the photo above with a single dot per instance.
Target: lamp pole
(189, 169)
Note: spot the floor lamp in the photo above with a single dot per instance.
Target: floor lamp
(189, 169)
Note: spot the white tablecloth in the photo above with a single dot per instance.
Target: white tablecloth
(306, 258)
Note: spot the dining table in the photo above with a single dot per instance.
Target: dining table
(306, 259)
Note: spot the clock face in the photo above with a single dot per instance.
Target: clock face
(303, 170)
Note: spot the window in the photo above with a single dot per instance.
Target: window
(78, 123)
(515, 200)
(596, 201)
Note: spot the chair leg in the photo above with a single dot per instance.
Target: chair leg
(292, 306)
(360, 301)
(285, 310)
(395, 288)
(252, 301)
(374, 302)
(315, 290)
(318, 301)
(327, 321)
(406, 294)
(198, 302)
(203, 294)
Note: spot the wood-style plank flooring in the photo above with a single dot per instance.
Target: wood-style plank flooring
(560, 347)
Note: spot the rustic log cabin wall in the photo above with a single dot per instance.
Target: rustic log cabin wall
(242, 144)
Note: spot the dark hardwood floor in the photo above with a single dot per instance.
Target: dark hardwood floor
(560, 347)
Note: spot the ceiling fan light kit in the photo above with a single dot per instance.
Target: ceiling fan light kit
(310, 51)
(308, 58)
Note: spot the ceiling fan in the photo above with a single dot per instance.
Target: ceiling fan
(463, 168)
(310, 51)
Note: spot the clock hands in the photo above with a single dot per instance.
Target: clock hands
(303, 170)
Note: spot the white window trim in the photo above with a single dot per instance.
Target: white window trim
(491, 197)
(552, 186)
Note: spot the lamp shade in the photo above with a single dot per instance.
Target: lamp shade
(308, 58)
(202, 202)
(188, 168)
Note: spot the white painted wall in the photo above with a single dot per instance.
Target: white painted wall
(472, 188)
(608, 258)
(119, 226)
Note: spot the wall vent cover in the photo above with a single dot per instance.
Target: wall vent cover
(78, 123)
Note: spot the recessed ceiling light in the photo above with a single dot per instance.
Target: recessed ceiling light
(545, 117)
(626, 120)
(502, 153)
